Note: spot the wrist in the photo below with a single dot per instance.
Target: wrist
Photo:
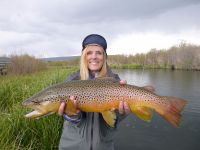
(74, 119)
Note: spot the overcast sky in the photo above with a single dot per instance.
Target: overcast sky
(50, 28)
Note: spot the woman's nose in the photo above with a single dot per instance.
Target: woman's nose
(94, 55)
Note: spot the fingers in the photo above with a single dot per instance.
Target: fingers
(75, 103)
(73, 99)
(123, 82)
(124, 108)
(121, 107)
(61, 108)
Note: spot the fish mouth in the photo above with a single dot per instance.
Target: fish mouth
(41, 109)
(37, 114)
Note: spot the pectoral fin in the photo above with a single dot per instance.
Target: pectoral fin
(70, 108)
(143, 113)
(110, 118)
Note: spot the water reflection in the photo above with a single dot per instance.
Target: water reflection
(159, 134)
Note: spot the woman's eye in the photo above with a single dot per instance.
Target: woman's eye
(99, 52)
(89, 53)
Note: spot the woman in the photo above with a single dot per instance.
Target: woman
(88, 131)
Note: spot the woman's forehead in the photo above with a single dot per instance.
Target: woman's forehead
(94, 47)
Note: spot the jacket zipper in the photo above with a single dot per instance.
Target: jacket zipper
(91, 145)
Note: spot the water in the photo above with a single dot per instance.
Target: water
(135, 134)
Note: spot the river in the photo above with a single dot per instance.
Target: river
(135, 134)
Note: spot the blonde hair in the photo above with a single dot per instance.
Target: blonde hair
(84, 71)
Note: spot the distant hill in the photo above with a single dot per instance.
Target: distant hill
(52, 59)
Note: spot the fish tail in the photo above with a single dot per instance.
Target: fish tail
(172, 113)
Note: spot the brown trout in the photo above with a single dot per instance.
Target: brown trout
(103, 96)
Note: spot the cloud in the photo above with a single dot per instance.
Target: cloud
(56, 28)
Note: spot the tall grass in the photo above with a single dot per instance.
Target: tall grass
(17, 132)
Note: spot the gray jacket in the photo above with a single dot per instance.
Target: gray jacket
(91, 133)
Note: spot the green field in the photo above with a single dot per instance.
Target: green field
(17, 132)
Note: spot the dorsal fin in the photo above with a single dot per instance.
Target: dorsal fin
(150, 88)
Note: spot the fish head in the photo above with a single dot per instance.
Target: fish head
(38, 99)
(43, 103)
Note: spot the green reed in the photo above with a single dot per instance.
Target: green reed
(17, 132)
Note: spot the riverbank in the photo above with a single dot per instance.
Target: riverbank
(136, 66)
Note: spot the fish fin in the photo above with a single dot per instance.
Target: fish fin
(172, 113)
(110, 118)
(70, 108)
(150, 88)
(143, 113)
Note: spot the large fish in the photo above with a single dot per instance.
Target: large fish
(103, 96)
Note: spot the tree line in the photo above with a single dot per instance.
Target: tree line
(183, 56)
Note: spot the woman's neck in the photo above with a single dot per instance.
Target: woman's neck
(94, 73)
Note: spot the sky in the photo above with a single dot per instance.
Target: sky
(55, 28)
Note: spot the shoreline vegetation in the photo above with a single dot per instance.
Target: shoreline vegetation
(184, 57)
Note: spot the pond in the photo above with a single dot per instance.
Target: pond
(135, 134)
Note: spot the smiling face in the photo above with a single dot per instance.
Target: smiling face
(95, 58)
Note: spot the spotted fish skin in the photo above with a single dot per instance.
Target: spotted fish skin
(103, 96)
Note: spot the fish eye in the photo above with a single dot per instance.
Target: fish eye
(36, 102)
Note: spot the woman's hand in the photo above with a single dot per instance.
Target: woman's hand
(61, 109)
(123, 106)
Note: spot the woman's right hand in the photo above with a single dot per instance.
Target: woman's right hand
(61, 109)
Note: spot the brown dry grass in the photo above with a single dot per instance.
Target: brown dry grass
(25, 64)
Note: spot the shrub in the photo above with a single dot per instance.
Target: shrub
(25, 64)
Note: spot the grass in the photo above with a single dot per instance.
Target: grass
(126, 66)
(17, 132)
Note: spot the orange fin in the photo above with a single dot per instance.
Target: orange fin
(150, 88)
(172, 113)
(110, 118)
(142, 112)
(70, 108)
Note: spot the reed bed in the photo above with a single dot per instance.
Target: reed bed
(17, 132)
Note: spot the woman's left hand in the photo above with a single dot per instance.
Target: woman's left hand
(123, 106)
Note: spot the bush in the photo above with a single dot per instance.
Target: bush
(25, 64)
